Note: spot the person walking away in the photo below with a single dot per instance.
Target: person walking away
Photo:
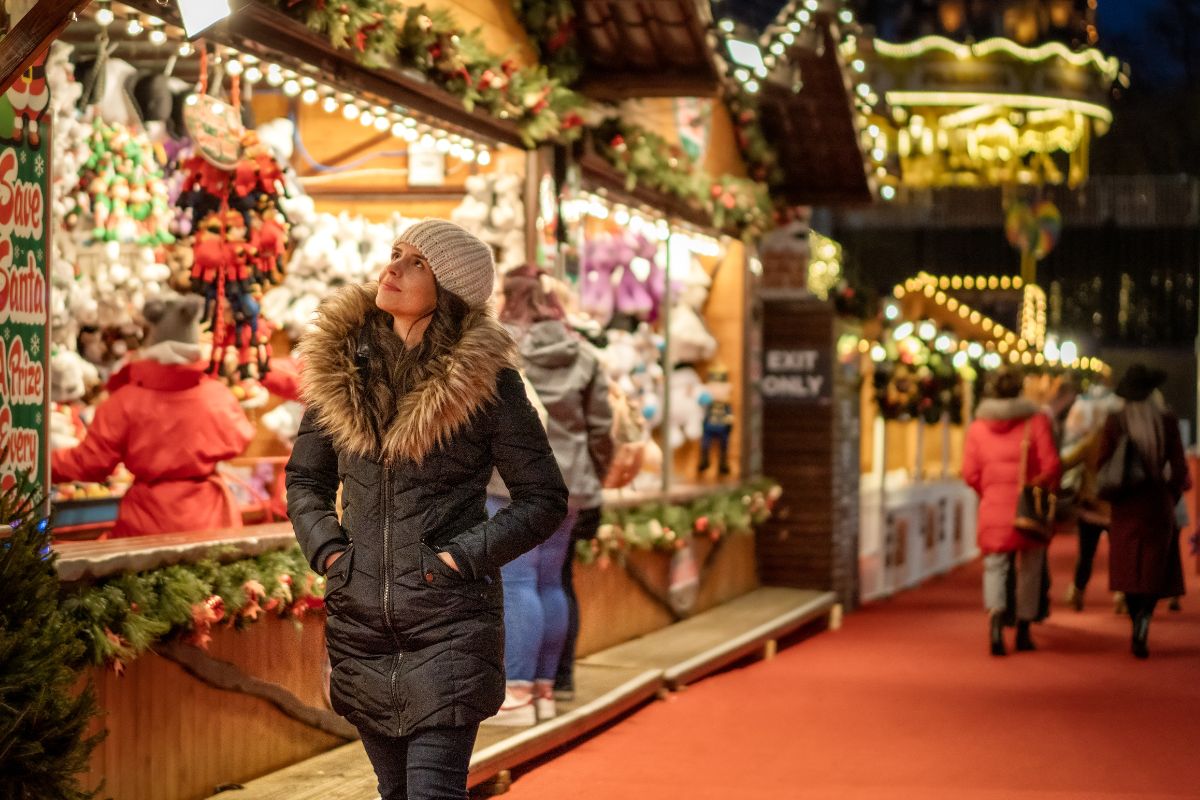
(170, 424)
(1005, 425)
(412, 399)
(1144, 559)
(1083, 431)
(566, 374)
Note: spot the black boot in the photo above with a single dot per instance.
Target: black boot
(1141, 635)
(1024, 640)
(997, 634)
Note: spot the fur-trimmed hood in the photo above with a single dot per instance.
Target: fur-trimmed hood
(459, 384)
(1004, 412)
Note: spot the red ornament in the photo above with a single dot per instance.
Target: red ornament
(701, 524)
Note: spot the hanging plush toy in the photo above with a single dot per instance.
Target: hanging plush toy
(718, 420)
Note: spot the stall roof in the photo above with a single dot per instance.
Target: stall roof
(814, 129)
(264, 31)
(646, 48)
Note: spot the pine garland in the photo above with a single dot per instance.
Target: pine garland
(44, 745)
(551, 26)
(380, 32)
(667, 527)
(121, 618)
(646, 158)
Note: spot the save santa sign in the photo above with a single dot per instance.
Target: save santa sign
(24, 290)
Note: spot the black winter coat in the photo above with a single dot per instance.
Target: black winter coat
(412, 643)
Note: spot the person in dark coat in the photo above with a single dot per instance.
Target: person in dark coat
(1144, 560)
(1007, 430)
(412, 399)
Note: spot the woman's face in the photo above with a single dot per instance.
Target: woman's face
(407, 288)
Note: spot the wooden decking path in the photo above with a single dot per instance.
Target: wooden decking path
(608, 684)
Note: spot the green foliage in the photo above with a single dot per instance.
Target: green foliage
(380, 33)
(124, 616)
(44, 745)
(551, 26)
(667, 526)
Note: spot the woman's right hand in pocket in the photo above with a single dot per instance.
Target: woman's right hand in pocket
(333, 557)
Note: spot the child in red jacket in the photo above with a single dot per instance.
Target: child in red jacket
(170, 424)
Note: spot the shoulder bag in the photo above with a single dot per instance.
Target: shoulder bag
(1035, 504)
(1124, 470)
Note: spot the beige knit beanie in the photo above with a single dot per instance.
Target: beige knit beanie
(461, 263)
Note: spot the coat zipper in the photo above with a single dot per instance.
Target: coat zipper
(387, 590)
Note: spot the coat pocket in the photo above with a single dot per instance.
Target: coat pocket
(338, 574)
(432, 565)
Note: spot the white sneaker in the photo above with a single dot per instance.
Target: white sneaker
(543, 700)
(518, 709)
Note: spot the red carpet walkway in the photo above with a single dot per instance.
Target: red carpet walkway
(904, 702)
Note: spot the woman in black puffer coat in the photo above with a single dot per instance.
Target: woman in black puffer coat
(412, 400)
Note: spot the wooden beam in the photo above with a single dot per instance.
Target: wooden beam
(30, 37)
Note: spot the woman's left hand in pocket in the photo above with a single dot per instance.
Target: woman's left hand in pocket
(449, 561)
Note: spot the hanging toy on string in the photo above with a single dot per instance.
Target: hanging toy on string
(231, 189)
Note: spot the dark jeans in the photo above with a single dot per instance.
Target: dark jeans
(1089, 539)
(426, 765)
(586, 525)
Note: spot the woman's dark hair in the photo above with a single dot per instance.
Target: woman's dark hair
(526, 301)
(409, 367)
(1004, 383)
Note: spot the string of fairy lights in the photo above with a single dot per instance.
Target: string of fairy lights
(307, 88)
(1031, 347)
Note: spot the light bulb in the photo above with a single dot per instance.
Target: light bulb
(351, 111)
(185, 49)
(443, 145)
(234, 67)
(468, 155)
(158, 37)
(274, 75)
(309, 96)
(398, 128)
(456, 150)
(751, 86)
(485, 157)
(105, 16)
(135, 27)
(382, 124)
(291, 88)
(426, 140)
(330, 104)
(410, 135)
(254, 75)
(366, 119)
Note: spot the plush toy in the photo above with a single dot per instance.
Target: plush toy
(690, 340)
(622, 280)
(494, 211)
(686, 423)
(718, 420)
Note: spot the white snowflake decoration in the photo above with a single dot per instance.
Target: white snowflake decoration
(24, 156)
(39, 165)
(35, 346)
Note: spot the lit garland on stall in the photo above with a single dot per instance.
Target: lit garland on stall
(668, 527)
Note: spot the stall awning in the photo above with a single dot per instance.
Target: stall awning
(635, 48)
(262, 30)
(810, 118)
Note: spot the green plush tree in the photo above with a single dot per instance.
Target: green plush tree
(44, 744)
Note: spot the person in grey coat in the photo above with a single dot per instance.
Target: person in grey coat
(412, 400)
(565, 372)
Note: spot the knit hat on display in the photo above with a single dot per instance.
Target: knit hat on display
(461, 263)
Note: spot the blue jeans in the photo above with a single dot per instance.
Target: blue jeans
(535, 605)
(426, 765)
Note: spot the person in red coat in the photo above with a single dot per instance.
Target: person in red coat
(1143, 537)
(170, 424)
(1005, 425)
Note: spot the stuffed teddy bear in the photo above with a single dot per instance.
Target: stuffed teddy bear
(690, 340)
(686, 423)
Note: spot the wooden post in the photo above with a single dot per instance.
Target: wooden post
(32, 34)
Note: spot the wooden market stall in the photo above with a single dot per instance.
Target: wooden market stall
(231, 684)
(922, 364)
